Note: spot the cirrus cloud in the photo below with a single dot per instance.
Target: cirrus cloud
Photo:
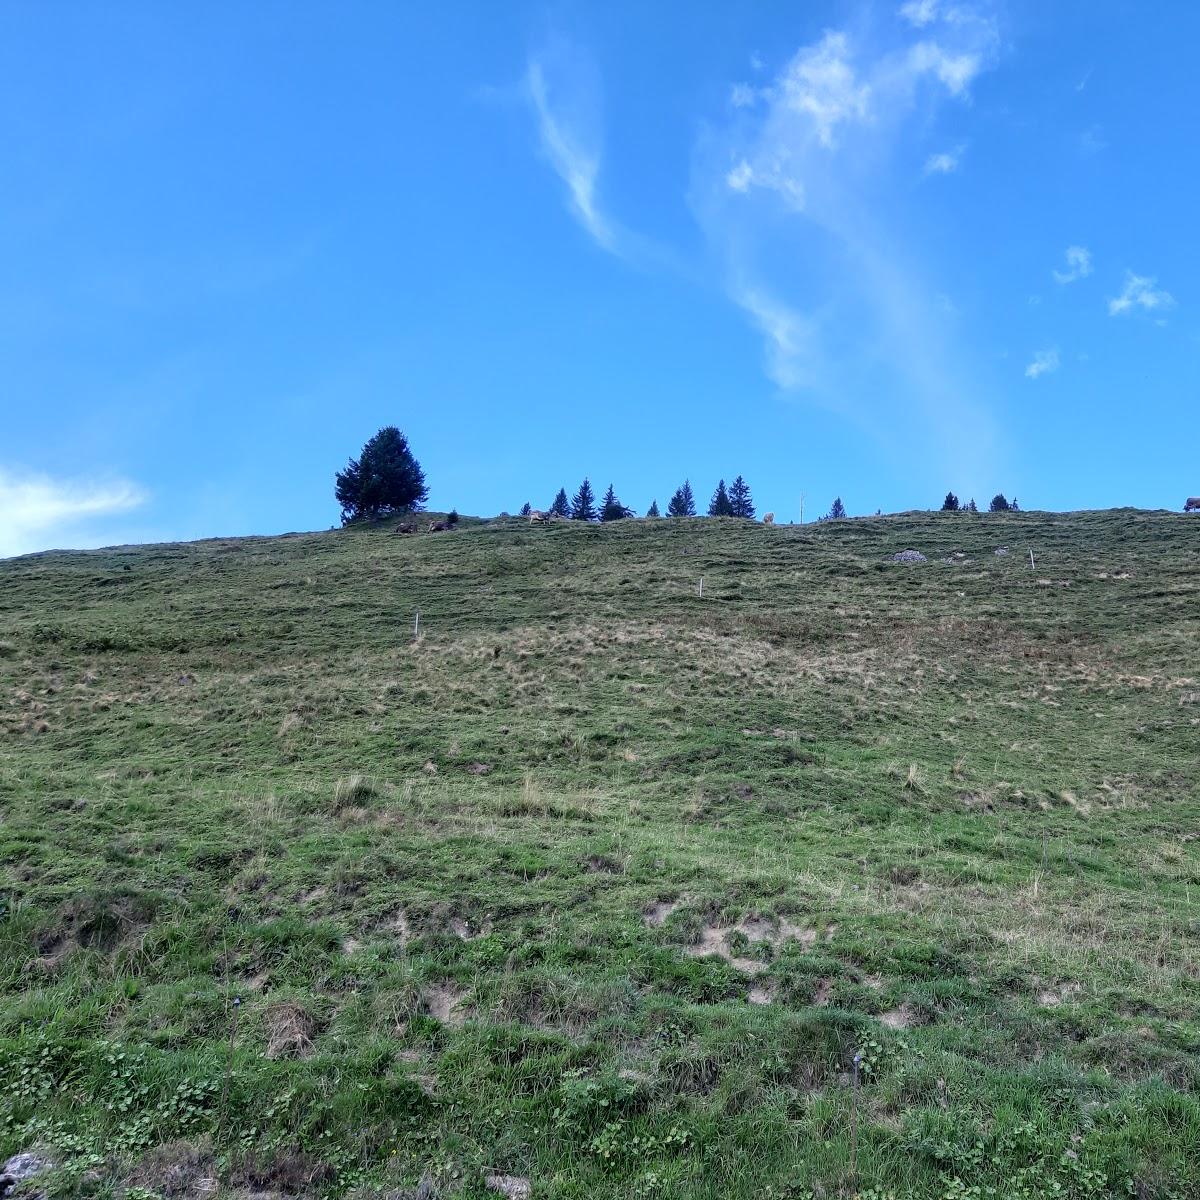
(37, 511)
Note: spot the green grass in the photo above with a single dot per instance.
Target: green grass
(601, 883)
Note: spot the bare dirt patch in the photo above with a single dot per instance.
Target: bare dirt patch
(716, 939)
(903, 1017)
(445, 1003)
(1055, 997)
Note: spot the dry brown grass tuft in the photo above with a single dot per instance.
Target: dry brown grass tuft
(289, 1030)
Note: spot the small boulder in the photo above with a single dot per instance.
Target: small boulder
(909, 556)
(20, 1167)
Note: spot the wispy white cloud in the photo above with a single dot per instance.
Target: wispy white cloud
(1044, 362)
(956, 71)
(789, 336)
(802, 199)
(919, 12)
(944, 163)
(742, 95)
(1139, 292)
(821, 84)
(1079, 265)
(38, 512)
(569, 137)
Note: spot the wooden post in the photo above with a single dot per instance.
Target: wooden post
(416, 627)
(1032, 564)
(701, 587)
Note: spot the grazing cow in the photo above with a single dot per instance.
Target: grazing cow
(439, 526)
(769, 519)
(537, 517)
(406, 527)
(1192, 505)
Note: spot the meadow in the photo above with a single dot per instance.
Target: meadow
(845, 877)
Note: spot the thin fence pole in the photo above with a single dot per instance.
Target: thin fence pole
(416, 627)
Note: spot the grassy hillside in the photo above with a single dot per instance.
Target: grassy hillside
(602, 884)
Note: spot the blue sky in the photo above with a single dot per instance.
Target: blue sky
(875, 250)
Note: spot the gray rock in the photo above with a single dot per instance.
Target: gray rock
(1001, 549)
(20, 1167)
(909, 556)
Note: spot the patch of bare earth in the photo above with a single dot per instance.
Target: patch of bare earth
(715, 939)
(1063, 994)
(903, 1017)
(445, 1003)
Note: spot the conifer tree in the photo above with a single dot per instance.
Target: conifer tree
(561, 506)
(950, 504)
(583, 506)
(526, 509)
(1013, 506)
(998, 504)
(385, 478)
(652, 511)
(611, 509)
(740, 500)
(720, 505)
(971, 506)
(837, 510)
(683, 503)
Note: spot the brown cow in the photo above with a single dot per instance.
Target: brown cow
(406, 527)
(769, 519)
(1192, 505)
(439, 526)
(537, 517)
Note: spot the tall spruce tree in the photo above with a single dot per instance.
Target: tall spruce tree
(652, 511)
(971, 506)
(583, 506)
(950, 504)
(998, 504)
(561, 506)
(683, 503)
(1013, 506)
(384, 479)
(611, 509)
(837, 510)
(739, 499)
(526, 509)
(720, 505)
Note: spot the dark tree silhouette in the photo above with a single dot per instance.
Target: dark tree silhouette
(652, 511)
(998, 504)
(740, 499)
(611, 509)
(526, 509)
(583, 506)
(837, 510)
(720, 505)
(1013, 506)
(385, 478)
(971, 506)
(950, 504)
(683, 503)
(561, 506)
